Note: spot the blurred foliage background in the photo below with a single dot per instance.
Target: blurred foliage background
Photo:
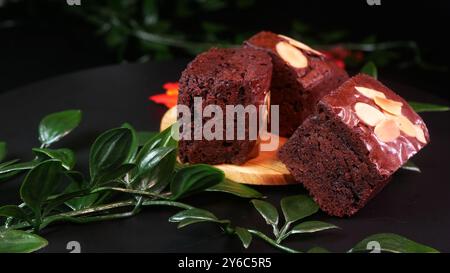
(115, 31)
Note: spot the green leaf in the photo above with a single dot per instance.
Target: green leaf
(75, 176)
(3, 151)
(411, 166)
(427, 107)
(146, 174)
(55, 126)
(155, 162)
(311, 227)
(267, 211)
(162, 139)
(7, 167)
(17, 241)
(244, 236)
(298, 207)
(39, 184)
(318, 250)
(7, 163)
(8, 174)
(241, 190)
(109, 152)
(143, 137)
(83, 202)
(193, 214)
(194, 178)
(187, 222)
(390, 242)
(15, 212)
(66, 156)
(370, 69)
(134, 143)
(117, 173)
(162, 174)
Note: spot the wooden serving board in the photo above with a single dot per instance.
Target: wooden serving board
(265, 169)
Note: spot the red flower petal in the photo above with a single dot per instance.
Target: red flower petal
(168, 101)
(171, 85)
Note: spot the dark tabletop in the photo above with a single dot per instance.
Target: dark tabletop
(415, 205)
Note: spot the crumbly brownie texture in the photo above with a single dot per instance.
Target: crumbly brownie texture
(301, 77)
(239, 76)
(363, 132)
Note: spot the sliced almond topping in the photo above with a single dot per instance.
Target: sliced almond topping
(419, 134)
(369, 92)
(390, 116)
(368, 114)
(300, 45)
(387, 130)
(406, 126)
(291, 55)
(391, 106)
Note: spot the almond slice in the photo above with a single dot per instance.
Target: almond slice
(420, 134)
(406, 126)
(300, 45)
(369, 92)
(391, 106)
(291, 55)
(387, 130)
(368, 114)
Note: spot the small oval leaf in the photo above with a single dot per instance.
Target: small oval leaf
(9, 166)
(241, 190)
(244, 235)
(193, 179)
(134, 143)
(187, 222)
(66, 156)
(143, 137)
(17, 241)
(370, 69)
(267, 211)
(193, 214)
(411, 166)
(55, 126)
(298, 207)
(40, 183)
(311, 227)
(109, 151)
(15, 212)
(420, 107)
(389, 242)
(146, 162)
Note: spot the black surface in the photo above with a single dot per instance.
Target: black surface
(414, 205)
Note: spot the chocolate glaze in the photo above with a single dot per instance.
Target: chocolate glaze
(387, 156)
(297, 90)
(308, 77)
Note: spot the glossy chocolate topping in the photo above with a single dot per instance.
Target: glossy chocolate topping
(390, 129)
(308, 76)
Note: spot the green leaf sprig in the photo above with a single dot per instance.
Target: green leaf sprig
(127, 171)
(295, 208)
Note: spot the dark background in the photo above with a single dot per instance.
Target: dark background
(44, 39)
(41, 39)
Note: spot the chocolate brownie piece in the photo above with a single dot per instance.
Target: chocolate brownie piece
(238, 76)
(301, 77)
(362, 133)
